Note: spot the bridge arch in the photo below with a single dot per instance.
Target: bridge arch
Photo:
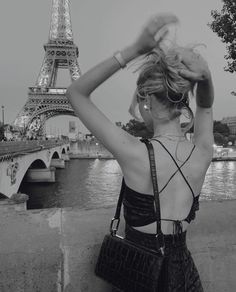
(29, 164)
(38, 163)
(55, 155)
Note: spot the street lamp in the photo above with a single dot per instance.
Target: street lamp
(3, 115)
(3, 122)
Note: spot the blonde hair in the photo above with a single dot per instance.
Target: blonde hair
(159, 76)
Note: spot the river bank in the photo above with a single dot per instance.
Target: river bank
(91, 156)
(55, 249)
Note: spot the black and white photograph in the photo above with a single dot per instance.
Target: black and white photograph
(118, 146)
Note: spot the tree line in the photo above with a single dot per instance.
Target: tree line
(221, 131)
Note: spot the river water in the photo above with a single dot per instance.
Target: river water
(93, 183)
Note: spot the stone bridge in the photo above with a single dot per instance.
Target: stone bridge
(34, 161)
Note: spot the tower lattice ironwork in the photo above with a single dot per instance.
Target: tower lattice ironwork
(45, 99)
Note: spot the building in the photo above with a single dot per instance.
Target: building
(231, 123)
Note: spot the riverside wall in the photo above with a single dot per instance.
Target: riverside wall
(89, 149)
(55, 250)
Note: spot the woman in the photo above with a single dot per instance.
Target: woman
(163, 86)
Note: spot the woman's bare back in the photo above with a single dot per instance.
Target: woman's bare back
(176, 198)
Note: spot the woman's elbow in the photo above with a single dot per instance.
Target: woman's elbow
(77, 90)
(74, 95)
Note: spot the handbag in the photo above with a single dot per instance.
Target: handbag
(124, 264)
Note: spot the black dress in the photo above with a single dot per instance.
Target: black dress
(179, 273)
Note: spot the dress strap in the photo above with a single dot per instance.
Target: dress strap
(174, 173)
(178, 167)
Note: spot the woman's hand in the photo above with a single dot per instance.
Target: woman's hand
(196, 67)
(154, 32)
(197, 71)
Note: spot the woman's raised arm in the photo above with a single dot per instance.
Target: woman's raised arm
(117, 141)
(203, 122)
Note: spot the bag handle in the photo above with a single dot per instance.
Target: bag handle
(116, 219)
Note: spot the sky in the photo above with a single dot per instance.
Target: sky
(100, 28)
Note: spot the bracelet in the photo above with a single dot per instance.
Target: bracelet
(120, 59)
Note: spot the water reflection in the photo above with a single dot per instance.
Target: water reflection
(220, 182)
(232, 165)
(86, 183)
(103, 182)
(89, 183)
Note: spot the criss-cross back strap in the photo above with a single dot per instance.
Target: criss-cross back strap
(175, 173)
(178, 167)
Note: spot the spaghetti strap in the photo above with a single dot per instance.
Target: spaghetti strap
(178, 167)
(174, 174)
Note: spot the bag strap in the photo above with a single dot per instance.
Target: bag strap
(154, 183)
(116, 219)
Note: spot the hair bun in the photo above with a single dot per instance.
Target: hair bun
(159, 75)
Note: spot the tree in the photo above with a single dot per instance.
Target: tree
(221, 133)
(220, 139)
(221, 128)
(137, 129)
(224, 25)
(232, 139)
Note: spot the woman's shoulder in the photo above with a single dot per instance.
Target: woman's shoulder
(167, 150)
(183, 153)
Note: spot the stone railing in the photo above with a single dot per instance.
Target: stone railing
(16, 147)
(55, 250)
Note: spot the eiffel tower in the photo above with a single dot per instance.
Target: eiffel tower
(45, 100)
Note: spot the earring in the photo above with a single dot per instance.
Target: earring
(147, 106)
